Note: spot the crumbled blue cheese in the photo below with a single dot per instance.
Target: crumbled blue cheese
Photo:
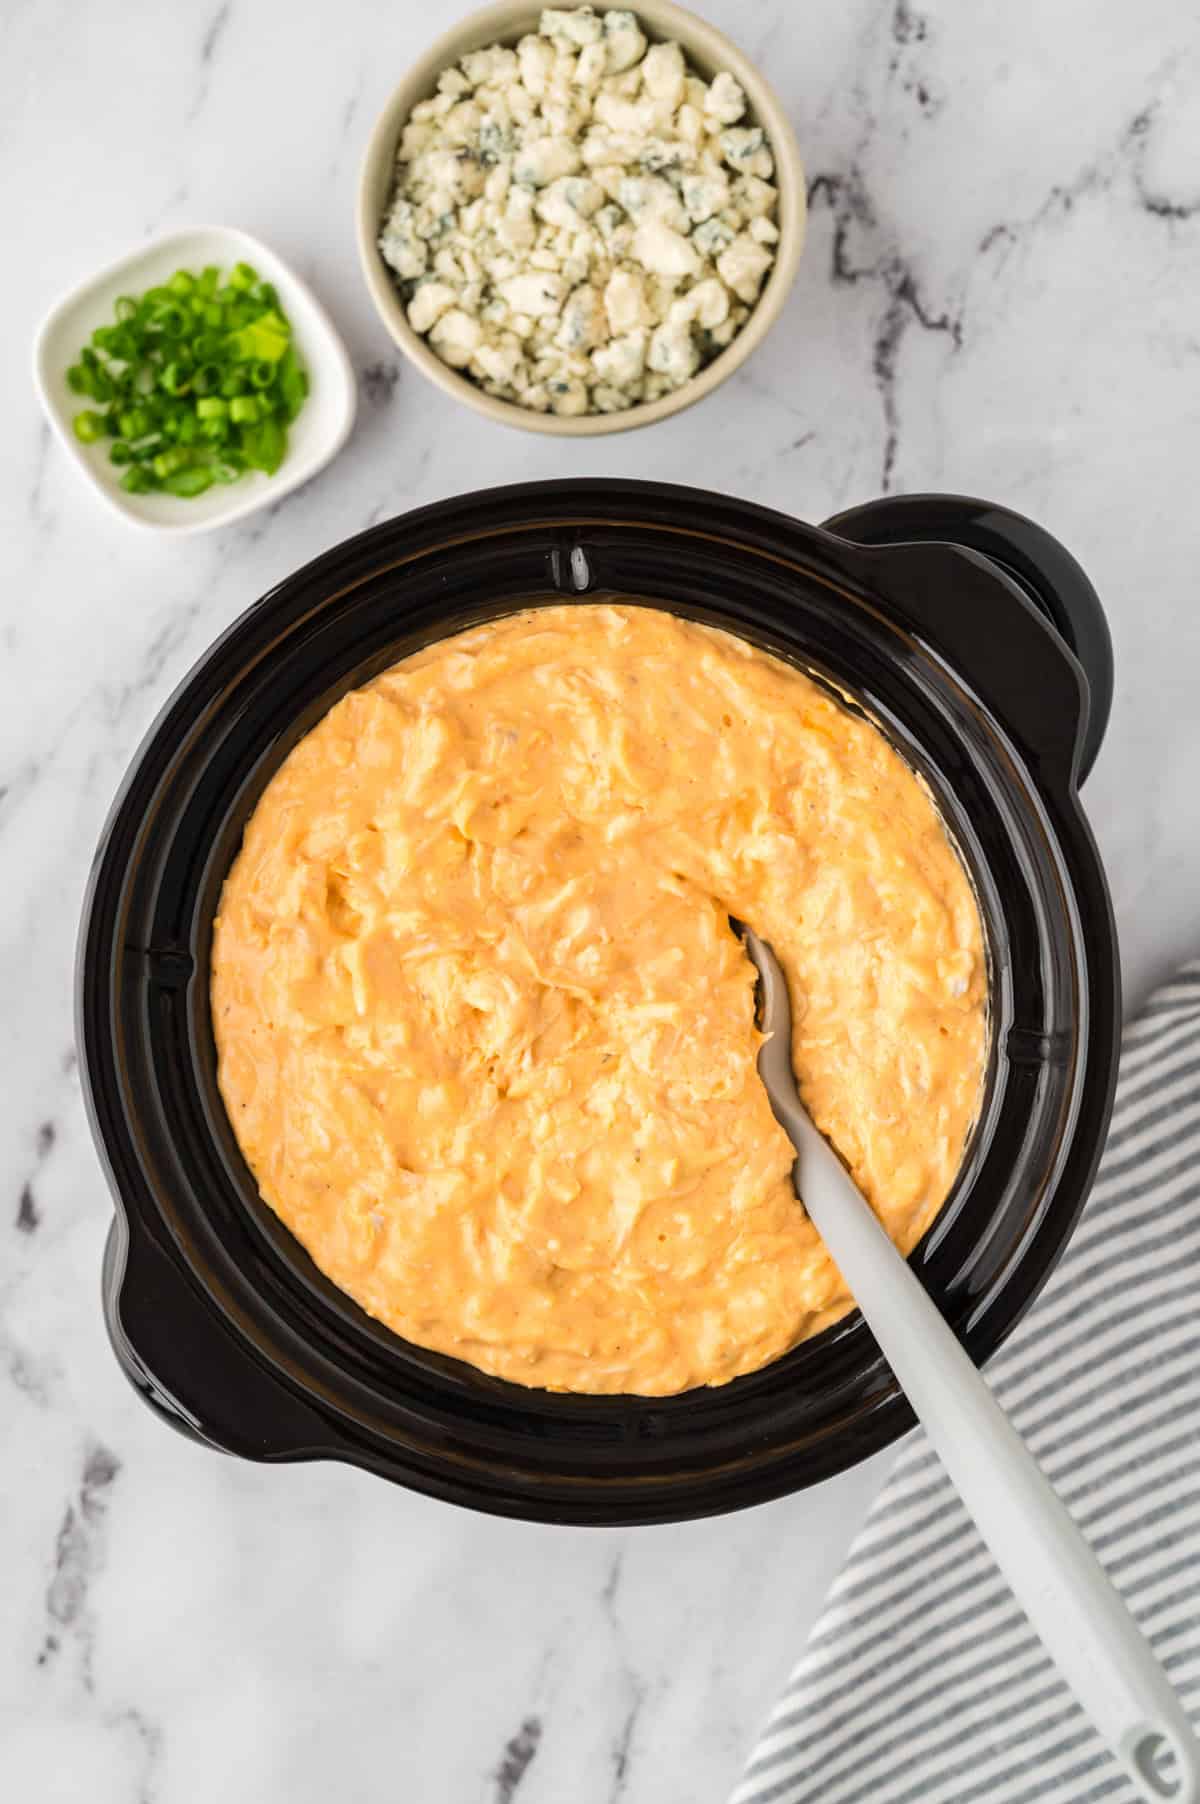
(579, 223)
(743, 265)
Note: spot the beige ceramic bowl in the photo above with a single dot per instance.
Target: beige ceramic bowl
(707, 50)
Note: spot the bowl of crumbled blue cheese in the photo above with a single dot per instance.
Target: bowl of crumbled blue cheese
(578, 219)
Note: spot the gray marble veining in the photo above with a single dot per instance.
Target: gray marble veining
(998, 297)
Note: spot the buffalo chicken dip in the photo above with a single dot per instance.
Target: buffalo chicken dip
(486, 1036)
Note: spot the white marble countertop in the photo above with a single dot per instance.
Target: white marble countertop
(998, 297)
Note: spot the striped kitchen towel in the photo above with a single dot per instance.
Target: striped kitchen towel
(923, 1682)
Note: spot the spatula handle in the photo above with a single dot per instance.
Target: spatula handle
(1082, 1621)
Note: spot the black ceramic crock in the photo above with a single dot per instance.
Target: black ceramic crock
(977, 644)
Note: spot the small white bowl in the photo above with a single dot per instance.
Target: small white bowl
(317, 434)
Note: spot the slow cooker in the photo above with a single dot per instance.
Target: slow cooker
(965, 632)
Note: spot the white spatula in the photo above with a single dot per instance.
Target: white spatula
(1054, 1575)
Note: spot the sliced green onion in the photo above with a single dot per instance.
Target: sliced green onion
(189, 482)
(264, 445)
(168, 462)
(264, 339)
(293, 383)
(194, 382)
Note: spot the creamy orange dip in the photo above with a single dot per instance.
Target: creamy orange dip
(487, 1039)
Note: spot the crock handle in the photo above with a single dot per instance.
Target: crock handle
(1042, 568)
(185, 1364)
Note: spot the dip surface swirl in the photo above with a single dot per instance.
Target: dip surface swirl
(487, 1039)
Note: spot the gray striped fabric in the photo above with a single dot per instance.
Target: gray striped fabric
(923, 1682)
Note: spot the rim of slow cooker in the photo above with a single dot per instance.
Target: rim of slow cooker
(848, 1336)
